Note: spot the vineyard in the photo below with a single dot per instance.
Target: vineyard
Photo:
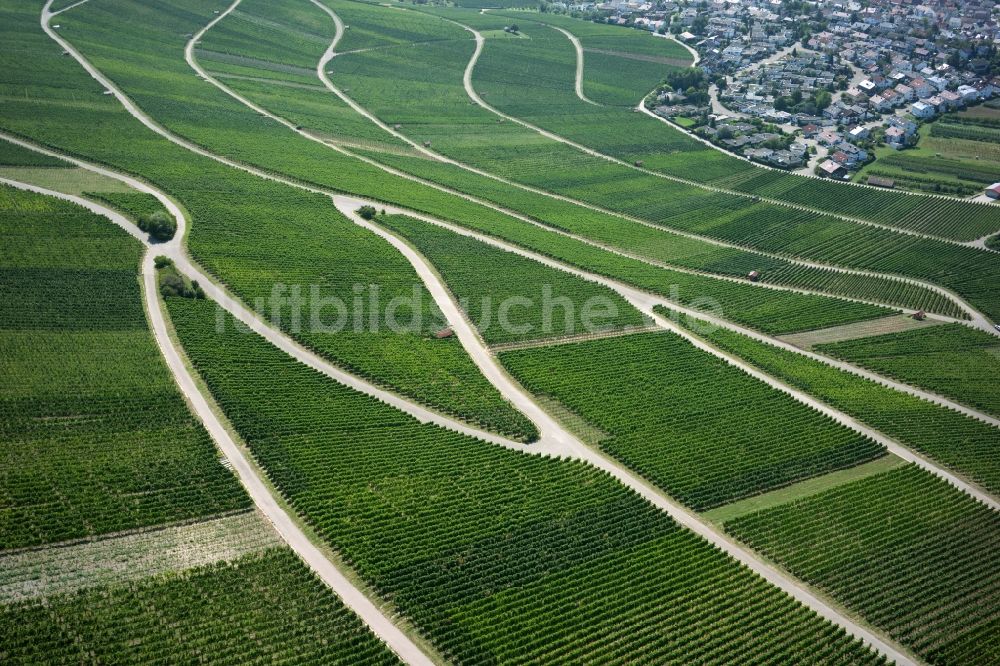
(954, 361)
(98, 439)
(485, 281)
(965, 445)
(903, 549)
(655, 394)
(593, 537)
(226, 613)
(253, 234)
(493, 554)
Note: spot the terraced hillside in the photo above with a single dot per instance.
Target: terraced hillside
(418, 341)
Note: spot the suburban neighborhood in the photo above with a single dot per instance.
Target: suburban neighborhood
(813, 87)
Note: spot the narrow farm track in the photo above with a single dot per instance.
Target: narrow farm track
(380, 624)
(578, 83)
(474, 96)
(765, 569)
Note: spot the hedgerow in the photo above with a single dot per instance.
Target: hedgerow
(911, 554)
(687, 420)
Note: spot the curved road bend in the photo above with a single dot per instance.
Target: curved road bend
(380, 624)
(578, 83)
(685, 517)
(645, 302)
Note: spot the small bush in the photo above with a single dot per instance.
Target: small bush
(159, 225)
(162, 262)
(367, 212)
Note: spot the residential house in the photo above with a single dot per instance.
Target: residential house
(831, 169)
(880, 104)
(895, 137)
(922, 110)
(952, 100)
(859, 133)
(969, 94)
(922, 88)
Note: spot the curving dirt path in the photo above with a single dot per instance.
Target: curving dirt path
(380, 624)
(553, 438)
(579, 64)
(682, 515)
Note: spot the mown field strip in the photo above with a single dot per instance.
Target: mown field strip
(59, 569)
(551, 342)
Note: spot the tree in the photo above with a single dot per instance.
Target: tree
(160, 225)
(162, 262)
(172, 284)
(367, 212)
(823, 99)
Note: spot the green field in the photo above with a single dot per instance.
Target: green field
(903, 549)
(654, 394)
(957, 158)
(492, 554)
(97, 437)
